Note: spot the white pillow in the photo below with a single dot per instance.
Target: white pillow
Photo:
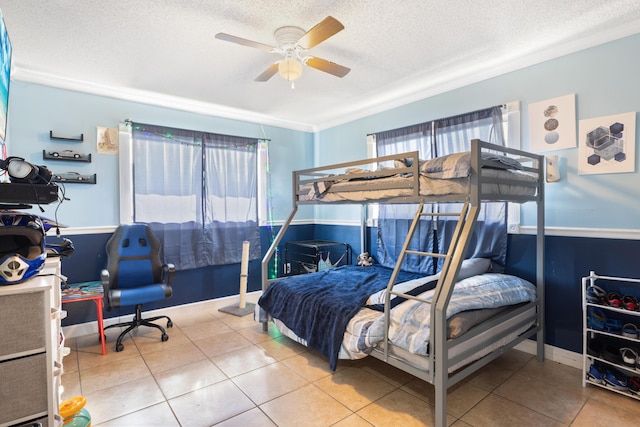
(469, 267)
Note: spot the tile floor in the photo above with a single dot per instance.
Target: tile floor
(222, 370)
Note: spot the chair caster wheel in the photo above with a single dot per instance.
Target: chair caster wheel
(165, 337)
(119, 347)
(169, 324)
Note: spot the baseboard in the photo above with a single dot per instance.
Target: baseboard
(552, 353)
(89, 328)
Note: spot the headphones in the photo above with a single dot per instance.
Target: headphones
(22, 171)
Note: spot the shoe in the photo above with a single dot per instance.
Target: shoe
(629, 303)
(596, 373)
(596, 319)
(615, 379)
(612, 354)
(630, 330)
(614, 300)
(595, 347)
(633, 385)
(629, 357)
(595, 294)
(613, 326)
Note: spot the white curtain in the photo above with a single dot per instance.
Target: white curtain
(198, 193)
(433, 139)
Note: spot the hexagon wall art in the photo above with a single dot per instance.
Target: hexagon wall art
(607, 144)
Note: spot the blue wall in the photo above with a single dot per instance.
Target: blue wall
(86, 263)
(568, 259)
(592, 201)
(34, 110)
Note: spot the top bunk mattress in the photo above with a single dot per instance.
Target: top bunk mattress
(491, 172)
(503, 183)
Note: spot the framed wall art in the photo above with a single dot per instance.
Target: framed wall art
(607, 144)
(552, 124)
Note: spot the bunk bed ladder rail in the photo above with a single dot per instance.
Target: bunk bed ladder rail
(447, 267)
(438, 353)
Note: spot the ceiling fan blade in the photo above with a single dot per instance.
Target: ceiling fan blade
(327, 66)
(244, 42)
(322, 31)
(268, 73)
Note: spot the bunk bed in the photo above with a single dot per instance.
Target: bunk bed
(487, 173)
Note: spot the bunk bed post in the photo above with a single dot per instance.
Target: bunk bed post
(274, 245)
(540, 261)
(269, 254)
(272, 249)
(363, 229)
(442, 296)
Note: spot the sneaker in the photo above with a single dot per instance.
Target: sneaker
(596, 319)
(595, 294)
(630, 330)
(634, 385)
(611, 353)
(629, 357)
(614, 300)
(629, 302)
(613, 326)
(615, 379)
(595, 347)
(596, 374)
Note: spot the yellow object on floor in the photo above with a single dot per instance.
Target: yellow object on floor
(73, 412)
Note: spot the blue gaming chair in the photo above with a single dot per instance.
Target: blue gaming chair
(135, 275)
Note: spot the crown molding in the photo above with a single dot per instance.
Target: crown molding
(417, 90)
(435, 85)
(153, 98)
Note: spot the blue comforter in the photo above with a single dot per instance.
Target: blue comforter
(318, 306)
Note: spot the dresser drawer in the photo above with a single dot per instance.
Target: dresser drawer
(23, 392)
(22, 323)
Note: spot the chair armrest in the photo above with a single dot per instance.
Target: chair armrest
(168, 273)
(104, 278)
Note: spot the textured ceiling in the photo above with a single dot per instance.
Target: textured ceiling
(165, 51)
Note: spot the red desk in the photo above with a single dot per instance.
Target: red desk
(88, 291)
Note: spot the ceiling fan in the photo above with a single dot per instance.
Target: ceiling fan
(293, 44)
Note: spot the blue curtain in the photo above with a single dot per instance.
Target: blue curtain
(394, 220)
(198, 193)
(433, 139)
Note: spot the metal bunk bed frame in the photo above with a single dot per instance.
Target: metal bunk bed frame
(439, 359)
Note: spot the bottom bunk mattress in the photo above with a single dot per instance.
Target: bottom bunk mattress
(482, 344)
(489, 340)
(331, 319)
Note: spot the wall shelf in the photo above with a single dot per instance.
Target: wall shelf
(60, 138)
(70, 155)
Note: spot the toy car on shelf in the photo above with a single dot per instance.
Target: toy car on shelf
(67, 154)
(74, 177)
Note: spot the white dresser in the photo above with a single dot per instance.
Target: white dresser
(31, 349)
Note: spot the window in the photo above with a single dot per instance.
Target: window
(433, 139)
(198, 191)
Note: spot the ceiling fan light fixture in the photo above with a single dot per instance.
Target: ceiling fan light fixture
(290, 69)
(293, 44)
